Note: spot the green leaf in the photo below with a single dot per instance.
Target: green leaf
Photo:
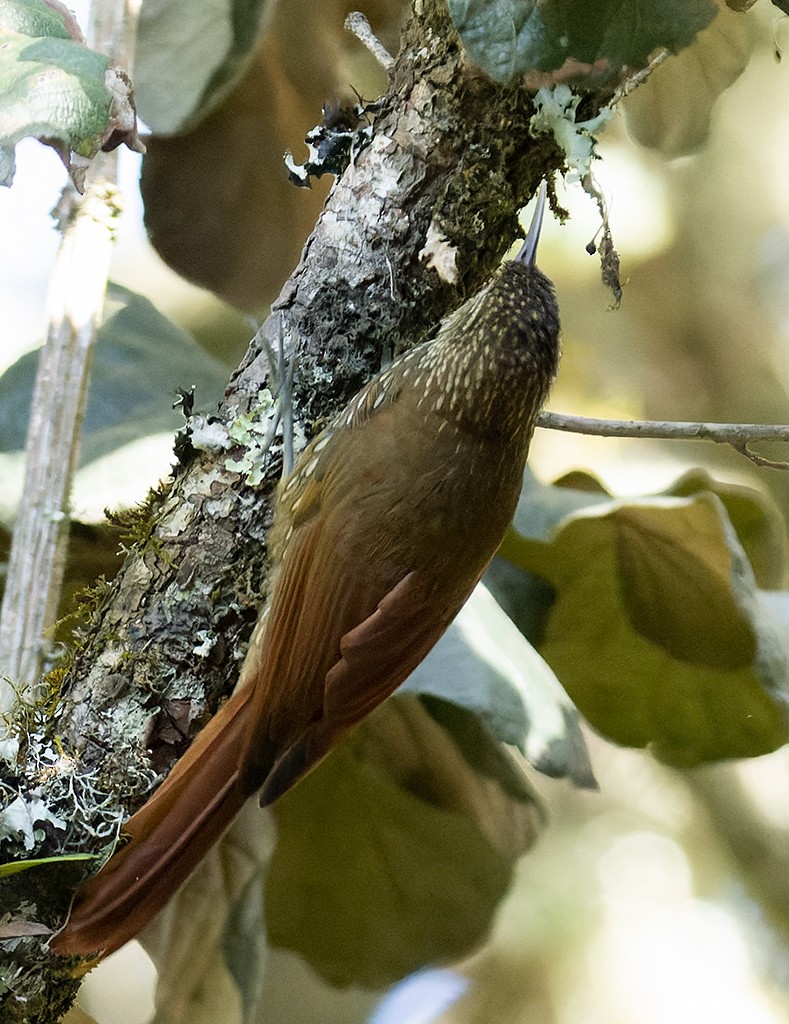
(680, 595)
(16, 866)
(657, 629)
(541, 507)
(508, 37)
(394, 853)
(141, 360)
(756, 519)
(483, 663)
(188, 57)
(57, 90)
(37, 18)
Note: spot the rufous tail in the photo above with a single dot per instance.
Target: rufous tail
(170, 835)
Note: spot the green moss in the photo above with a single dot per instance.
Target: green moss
(137, 524)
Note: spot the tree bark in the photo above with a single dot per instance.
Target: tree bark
(450, 159)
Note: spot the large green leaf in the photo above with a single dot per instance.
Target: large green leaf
(657, 629)
(756, 519)
(52, 87)
(484, 664)
(507, 37)
(189, 55)
(140, 361)
(394, 853)
(683, 596)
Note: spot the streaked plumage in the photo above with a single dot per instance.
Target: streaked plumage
(380, 534)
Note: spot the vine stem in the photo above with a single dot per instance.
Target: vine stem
(738, 435)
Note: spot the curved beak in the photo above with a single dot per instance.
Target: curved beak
(528, 252)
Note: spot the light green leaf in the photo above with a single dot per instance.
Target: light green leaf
(541, 507)
(657, 628)
(37, 18)
(684, 597)
(755, 517)
(55, 89)
(484, 663)
(15, 867)
(507, 37)
(189, 56)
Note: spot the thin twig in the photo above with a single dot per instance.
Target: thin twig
(358, 25)
(640, 76)
(738, 435)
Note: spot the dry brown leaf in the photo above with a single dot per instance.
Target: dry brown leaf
(187, 941)
(76, 1015)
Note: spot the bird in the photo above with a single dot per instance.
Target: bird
(379, 535)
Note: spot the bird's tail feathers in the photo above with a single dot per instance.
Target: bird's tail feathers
(169, 836)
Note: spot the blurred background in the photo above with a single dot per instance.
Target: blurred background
(664, 896)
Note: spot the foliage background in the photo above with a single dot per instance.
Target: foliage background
(663, 896)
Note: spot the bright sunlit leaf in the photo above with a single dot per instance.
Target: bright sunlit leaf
(656, 627)
(57, 90)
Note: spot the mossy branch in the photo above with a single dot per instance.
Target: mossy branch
(450, 163)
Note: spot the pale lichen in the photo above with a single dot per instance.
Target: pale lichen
(260, 433)
(555, 111)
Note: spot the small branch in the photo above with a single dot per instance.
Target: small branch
(738, 435)
(357, 24)
(76, 299)
(758, 460)
(75, 306)
(630, 84)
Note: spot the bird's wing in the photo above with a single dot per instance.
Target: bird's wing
(374, 657)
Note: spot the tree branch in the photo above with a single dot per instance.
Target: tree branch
(451, 153)
(738, 435)
(75, 303)
(36, 562)
(358, 24)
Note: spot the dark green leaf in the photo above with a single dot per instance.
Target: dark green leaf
(507, 37)
(393, 853)
(141, 360)
(672, 110)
